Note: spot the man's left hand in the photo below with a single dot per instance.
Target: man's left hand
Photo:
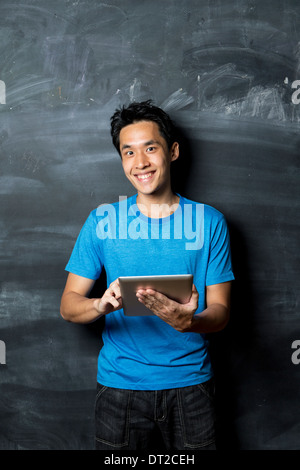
(179, 316)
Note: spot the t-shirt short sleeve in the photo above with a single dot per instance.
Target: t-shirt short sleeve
(219, 267)
(86, 259)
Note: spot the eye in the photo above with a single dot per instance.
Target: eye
(150, 149)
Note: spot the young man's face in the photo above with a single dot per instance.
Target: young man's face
(146, 158)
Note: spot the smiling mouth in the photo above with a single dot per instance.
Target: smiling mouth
(145, 176)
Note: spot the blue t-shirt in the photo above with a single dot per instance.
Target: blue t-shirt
(144, 352)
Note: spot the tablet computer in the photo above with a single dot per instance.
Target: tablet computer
(176, 287)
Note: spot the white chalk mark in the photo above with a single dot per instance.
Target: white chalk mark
(198, 92)
(177, 100)
(134, 89)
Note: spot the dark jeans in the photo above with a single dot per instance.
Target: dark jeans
(181, 418)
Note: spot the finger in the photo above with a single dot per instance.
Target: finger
(108, 303)
(114, 289)
(114, 302)
(194, 289)
(159, 304)
(154, 307)
(117, 289)
(195, 295)
(112, 295)
(149, 301)
(154, 296)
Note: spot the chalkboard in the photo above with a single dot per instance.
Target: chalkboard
(228, 73)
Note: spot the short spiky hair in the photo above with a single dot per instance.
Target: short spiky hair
(143, 111)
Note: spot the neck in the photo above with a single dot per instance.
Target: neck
(157, 206)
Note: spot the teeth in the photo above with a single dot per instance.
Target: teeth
(144, 177)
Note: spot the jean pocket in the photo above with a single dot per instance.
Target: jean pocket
(197, 414)
(112, 416)
(208, 388)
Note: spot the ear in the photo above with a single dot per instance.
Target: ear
(174, 152)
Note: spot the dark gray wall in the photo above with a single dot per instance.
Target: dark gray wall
(224, 70)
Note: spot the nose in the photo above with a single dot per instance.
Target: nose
(141, 160)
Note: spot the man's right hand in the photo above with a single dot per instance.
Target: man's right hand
(77, 307)
(111, 299)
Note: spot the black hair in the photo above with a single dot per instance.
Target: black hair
(143, 111)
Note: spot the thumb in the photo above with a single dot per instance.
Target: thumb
(195, 295)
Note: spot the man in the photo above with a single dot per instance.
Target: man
(155, 380)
